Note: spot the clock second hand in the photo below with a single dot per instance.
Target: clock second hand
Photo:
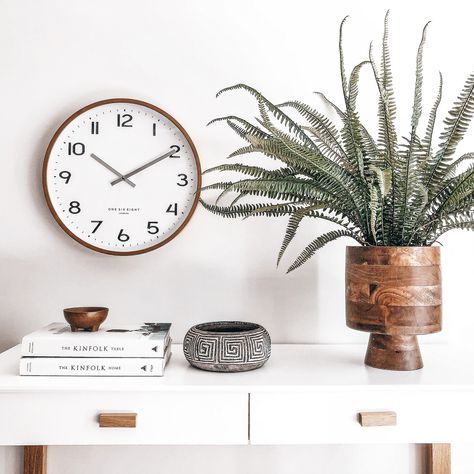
(143, 167)
(106, 165)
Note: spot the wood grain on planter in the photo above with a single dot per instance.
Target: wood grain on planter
(394, 293)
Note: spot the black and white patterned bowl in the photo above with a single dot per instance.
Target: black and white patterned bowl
(227, 346)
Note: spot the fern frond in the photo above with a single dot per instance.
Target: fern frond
(316, 244)
(368, 142)
(417, 100)
(384, 179)
(330, 104)
(374, 206)
(342, 70)
(283, 118)
(322, 127)
(237, 199)
(452, 168)
(292, 227)
(450, 192)
(244, 210)
(412, 160)
(428, 138)
(461, 187)
(254, 171)
(456, 125)
(462, 221)
(354, 83)
(387, 107)
(245, 150)
(386, 75)
(274, 189)
(379, 191)
(245, 128)
(342, 181)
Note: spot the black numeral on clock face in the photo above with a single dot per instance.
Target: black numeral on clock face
(66, 175)
(152, 227)
(123, 120)
(154, 129)
(76, 148)
(176, 149)
(74, 207)
(95, 128)
(122, 236)
(183, 180)
(98, 224)
(173, 208)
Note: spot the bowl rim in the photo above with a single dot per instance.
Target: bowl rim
(85, 309)
(251, 327)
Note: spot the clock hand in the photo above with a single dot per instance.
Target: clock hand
(143, 167)
(103, 163)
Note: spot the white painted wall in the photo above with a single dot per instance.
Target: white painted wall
(58, 56)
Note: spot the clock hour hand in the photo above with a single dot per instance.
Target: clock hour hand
(106, 165)
(143, 167)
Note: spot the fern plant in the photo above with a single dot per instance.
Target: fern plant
(379, 191)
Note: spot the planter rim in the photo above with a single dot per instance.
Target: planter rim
(405, 247)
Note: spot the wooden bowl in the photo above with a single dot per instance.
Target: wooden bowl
(85, 318)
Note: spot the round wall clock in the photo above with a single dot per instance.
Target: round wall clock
(121, 177)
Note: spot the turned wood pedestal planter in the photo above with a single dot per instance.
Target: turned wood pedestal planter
(395, 294)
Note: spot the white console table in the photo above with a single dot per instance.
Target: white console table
(305, 394)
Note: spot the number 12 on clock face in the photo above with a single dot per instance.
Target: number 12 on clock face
(122, 177)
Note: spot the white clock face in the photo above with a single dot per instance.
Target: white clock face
(121, 177)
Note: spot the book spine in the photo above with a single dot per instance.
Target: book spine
(44, 347)
(92, 366)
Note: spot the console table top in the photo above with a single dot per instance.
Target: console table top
(291, 367)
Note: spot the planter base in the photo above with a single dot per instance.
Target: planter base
(393, 352)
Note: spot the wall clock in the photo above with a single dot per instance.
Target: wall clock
(121, 177)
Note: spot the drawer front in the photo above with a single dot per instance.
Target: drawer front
(161, 418)
(333, 417)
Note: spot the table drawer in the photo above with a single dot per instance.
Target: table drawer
(161, 418)
(333, 417)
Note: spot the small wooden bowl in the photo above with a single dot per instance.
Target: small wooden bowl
(85, 318)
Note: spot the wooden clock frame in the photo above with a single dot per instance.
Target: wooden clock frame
(128, 101)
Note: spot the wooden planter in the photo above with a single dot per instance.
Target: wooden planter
(394, 293)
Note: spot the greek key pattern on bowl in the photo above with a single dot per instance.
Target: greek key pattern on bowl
(248, 347)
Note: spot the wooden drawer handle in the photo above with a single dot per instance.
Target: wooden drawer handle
(117, 420)
(377, 418)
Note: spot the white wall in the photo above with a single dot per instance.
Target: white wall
(58, 56)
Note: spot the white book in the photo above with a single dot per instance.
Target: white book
(139, 340)
(95, 366)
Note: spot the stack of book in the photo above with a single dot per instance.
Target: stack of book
(128, 351)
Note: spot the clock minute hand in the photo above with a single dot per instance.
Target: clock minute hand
(143, 167)
(106, 165)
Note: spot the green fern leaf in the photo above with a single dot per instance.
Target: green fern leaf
(293, 224)
(456, 125)
(244, 210)
(354, 83)
(316, 244)
(428, 139)
(380, 192)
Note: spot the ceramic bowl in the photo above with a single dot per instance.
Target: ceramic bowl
(227, 346)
